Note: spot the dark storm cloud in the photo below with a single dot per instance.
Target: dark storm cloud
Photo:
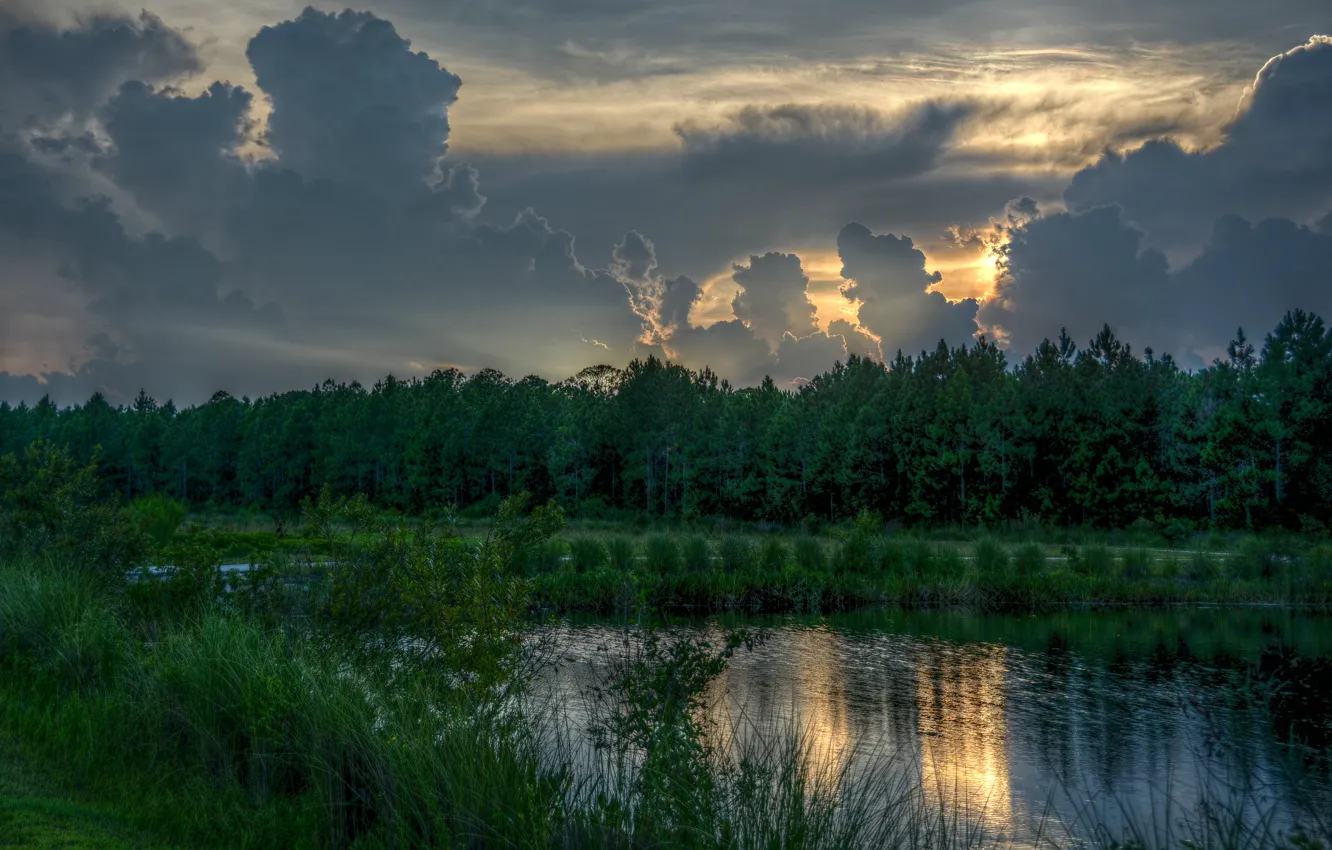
(887, 275)
(813, 146)
(1079, 270)
(1101, 263)
(47, 72)
(177, 154)
(351, 100)
(773, 297)
(766, 179)
(1276, 160)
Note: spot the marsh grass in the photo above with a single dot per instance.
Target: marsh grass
(696, 554)
(622, 551)
(736, 553)
(809, 555)
(588, 554)
(662, 554)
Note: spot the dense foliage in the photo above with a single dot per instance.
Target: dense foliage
(1096, 436)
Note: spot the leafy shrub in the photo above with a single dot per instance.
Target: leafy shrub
(54, 507)
(159, 517)
(1029, 560)
(696, 553)
(856, 554)
(809, 555)
(663, 554)
(773, 554)
(990, 559)
(1202, 566)
(587, 554)
(622, 552)
(1137, 563)
(893, 557)
(1261, 559)
(736, 552)
(1094, 560)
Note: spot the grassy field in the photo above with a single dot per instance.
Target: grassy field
(37, 811)
(705, 570)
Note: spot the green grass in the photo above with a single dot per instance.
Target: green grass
(778, 574)
(36, 811)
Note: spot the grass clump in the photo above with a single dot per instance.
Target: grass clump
(696, 554)
(736, 553)
(809, 554)
(622, 552)
(587, 554)
(662, 555)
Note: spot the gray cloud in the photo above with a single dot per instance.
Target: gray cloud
(887, 275)
(48, 72)
(1276, 160)
(351, 100)
(1079, 270)
(177, 154)
(773, 299)
(802, 146)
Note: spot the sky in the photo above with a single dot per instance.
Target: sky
(259, 195)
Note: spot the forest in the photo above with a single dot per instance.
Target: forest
(1098, 435)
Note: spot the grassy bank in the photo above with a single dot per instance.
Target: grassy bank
(864, 568)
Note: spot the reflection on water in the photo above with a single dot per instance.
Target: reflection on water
(963, 731)
(1019, 722)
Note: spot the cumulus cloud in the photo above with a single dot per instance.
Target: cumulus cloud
(1077, 270)
(48, 72)
(886, 275)
(350, 99)
(1276, 160)
(773, 299)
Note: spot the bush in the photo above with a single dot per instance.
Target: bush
(893, 556)
(773, 555)
(1202, 566)
(696, 554)
(1094, 560)
(1261, 559)
(856, 554)
(990, 559)
(663, 554)
(587, 554)
(1137, 563)
(54, 507)
(1029, 560)
(159, 517)
(736, 552)
(809, 554)
(622, 552)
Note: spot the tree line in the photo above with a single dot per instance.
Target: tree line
(1073, 436)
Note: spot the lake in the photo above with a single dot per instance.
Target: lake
(1029, 725)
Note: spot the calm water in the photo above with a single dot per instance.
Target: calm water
(1025, 720)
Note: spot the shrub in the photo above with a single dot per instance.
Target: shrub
(1137, 563)
(52, 506)
(736, 553)
(1094, 560)
(856, 554)
(773, 555)
(159, 517)
(1261, 559)
(991, 560)
(622, 551)
(696, 554)
(587, 554)
(809, 554)
(1202, 566)
(663, 554)
(1029, 560)
(893, 557)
